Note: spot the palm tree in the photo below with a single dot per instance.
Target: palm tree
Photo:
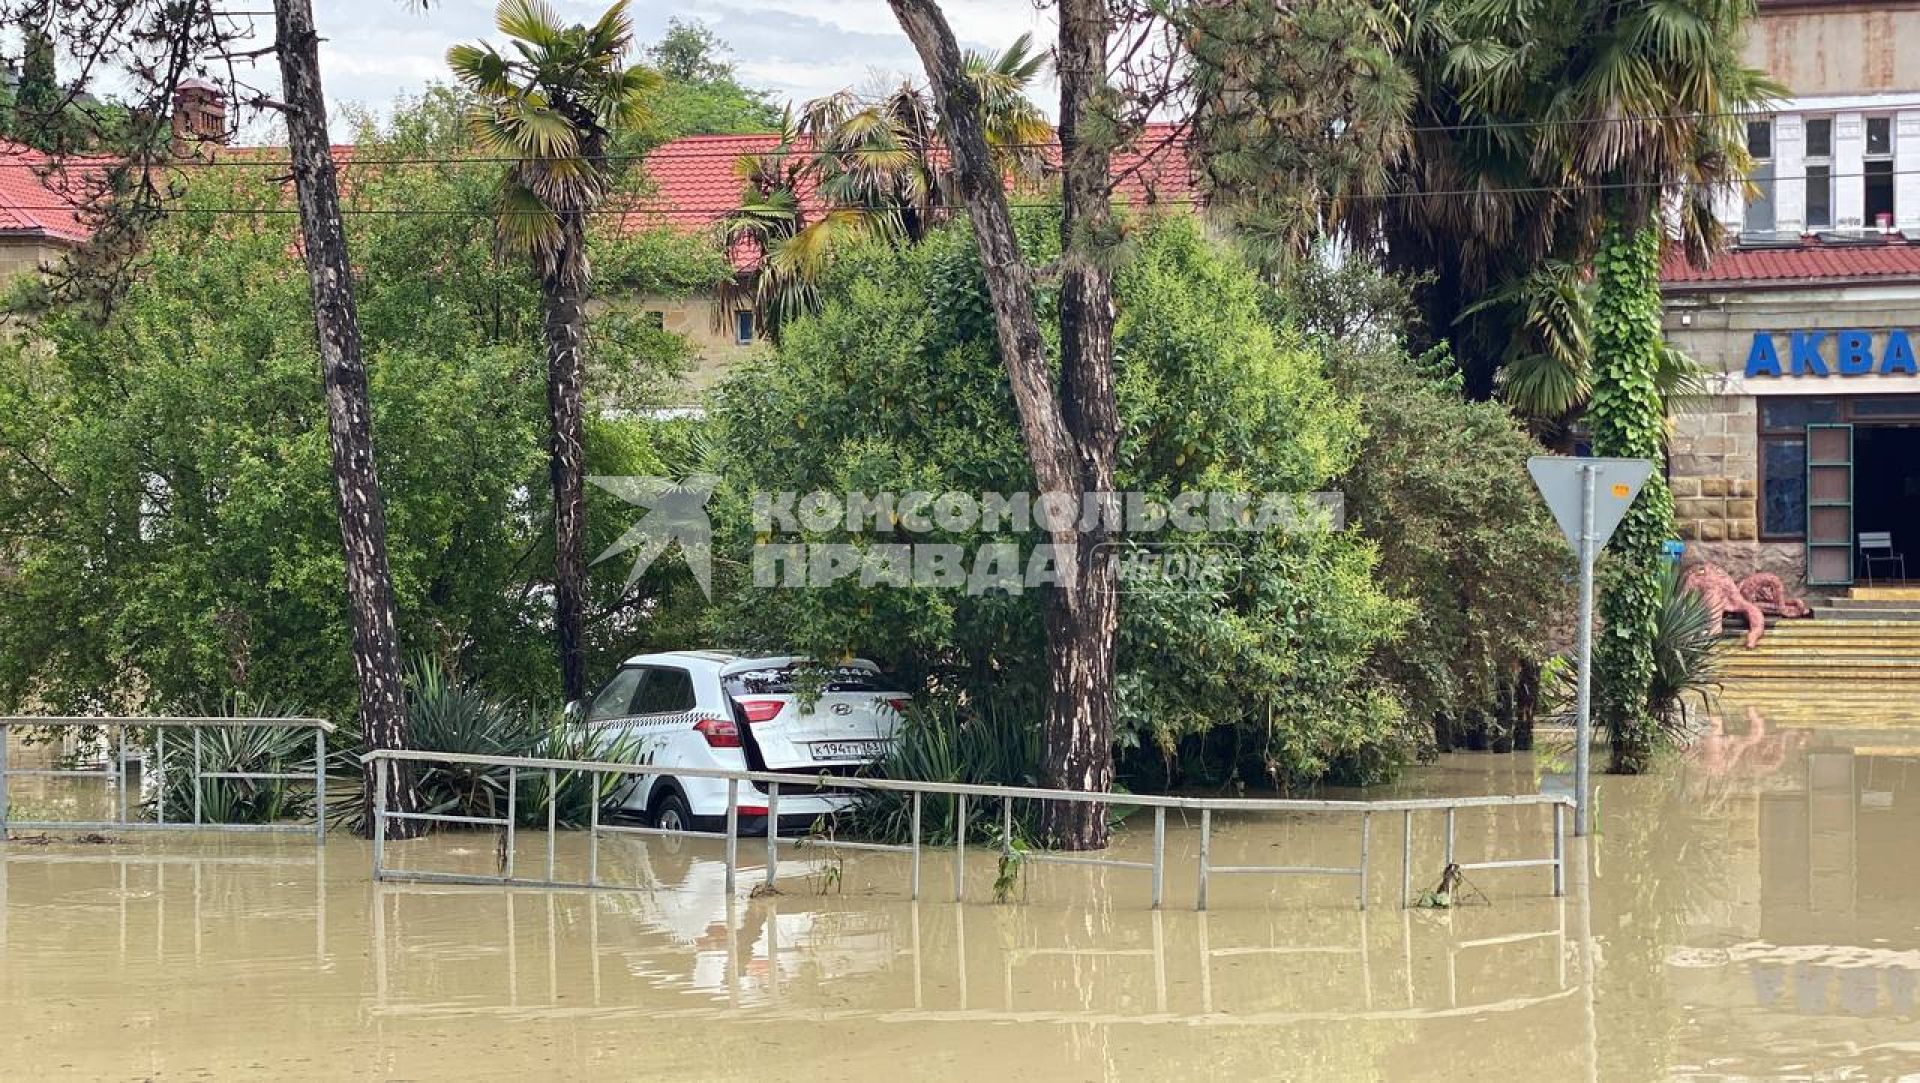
(550, 106)
(879, 168)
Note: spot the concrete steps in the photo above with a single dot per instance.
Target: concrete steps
(1892, 594)
(1856, 661)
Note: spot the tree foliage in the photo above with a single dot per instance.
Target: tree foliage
(876, 169)
(700, 92)
(896, 385)
(165, 500)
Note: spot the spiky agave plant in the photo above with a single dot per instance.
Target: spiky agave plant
(449, 715)
(227, 750)
(988, 741)
(1686, 656)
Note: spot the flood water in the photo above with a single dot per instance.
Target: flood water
(1753, 913)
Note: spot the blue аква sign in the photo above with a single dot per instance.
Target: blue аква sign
(1830, 353)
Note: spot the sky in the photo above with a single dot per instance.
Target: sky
(375, 50)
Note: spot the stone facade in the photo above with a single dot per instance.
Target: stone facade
(1713, 464)
(26, 254)
(710, 332)
(1714, 467)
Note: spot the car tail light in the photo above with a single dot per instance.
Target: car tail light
(719, 732)
(900, 705)
(760, 710)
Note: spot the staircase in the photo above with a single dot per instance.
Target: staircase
(1856, 662)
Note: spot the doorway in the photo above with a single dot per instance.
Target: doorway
(1886, 494)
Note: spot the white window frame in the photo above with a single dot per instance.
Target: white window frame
(1814, 161)
(1869, 157)
(1769, 185)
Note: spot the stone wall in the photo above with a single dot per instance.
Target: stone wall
(1713, 464)
(20, 255)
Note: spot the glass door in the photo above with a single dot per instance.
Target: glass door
(1829, 505)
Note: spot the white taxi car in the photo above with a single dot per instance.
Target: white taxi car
(714, 710)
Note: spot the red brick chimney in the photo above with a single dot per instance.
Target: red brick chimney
(199, 112)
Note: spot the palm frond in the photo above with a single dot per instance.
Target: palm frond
(532, 21)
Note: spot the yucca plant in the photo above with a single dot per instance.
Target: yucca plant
(1686, 655)
(449, 715)
(991, 741)
(235, 750)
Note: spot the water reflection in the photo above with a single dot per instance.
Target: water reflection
(1748, 914)
(896, 959)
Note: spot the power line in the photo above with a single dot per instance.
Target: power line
(1147, 147)
(670, 209)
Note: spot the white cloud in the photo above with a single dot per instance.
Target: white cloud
(373, 51)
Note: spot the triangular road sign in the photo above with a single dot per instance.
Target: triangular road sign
(1616, 482)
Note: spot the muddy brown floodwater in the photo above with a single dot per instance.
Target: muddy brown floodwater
(1751, 913)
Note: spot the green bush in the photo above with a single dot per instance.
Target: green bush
(450, 715)
(993, 741)
(896, 385)
(1441, 486)
(1686, 655)
(232, 749)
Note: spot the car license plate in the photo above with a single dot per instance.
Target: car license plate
(847, 750)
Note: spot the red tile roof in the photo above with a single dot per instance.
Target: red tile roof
(696, 183)
(1809, 263)
(35, 203)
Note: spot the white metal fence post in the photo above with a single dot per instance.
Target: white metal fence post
(1206, 839)
(959, 847)
(379, 817)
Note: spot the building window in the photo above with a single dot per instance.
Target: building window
(1820, 137)
(743, 327)
(1879, 136)
(1760, 216)
(1783, 461)
(1877, 199)
(1819, 173)
(1783, 504)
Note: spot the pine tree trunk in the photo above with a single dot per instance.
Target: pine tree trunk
(1070, 440)
(363, 524)
(563, 285)
(1083, 618)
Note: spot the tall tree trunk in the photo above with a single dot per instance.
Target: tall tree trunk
(1083, 615)
(1526, 701)
(363, 522)
(563, 285)
(1070, 446)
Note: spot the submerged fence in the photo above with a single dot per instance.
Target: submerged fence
(772, 785)
(118, 734)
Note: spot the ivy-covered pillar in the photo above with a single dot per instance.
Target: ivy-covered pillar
(1628, 419)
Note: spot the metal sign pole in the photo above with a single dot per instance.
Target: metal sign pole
(1583, 730)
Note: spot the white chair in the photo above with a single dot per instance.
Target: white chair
(1876, 547)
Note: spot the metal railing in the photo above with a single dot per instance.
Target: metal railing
(114, 772)
(772, 783)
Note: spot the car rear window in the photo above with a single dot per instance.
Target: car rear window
(782, 680)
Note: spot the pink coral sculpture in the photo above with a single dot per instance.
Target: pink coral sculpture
(1722, 596)
(1765, 590)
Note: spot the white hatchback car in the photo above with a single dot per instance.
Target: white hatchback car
(714, 710)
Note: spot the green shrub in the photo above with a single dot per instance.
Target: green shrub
(992, 741)
(897, 386)
(449, 715)
(233, 749)
(1686, 655)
